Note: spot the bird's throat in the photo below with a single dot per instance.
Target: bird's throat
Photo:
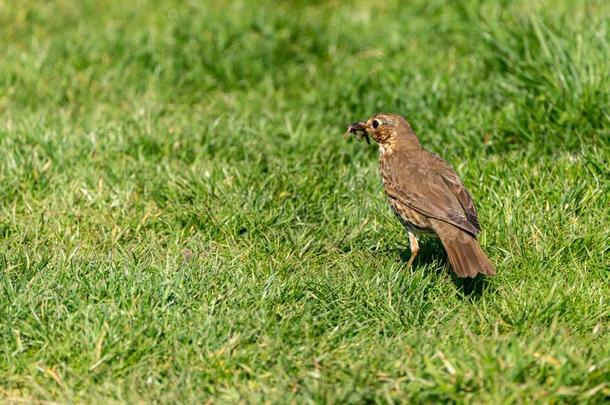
(384, 149)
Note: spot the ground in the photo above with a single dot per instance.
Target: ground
(182, 219)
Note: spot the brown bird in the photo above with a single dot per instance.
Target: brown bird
(426, 194)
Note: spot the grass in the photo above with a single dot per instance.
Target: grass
(181, 219)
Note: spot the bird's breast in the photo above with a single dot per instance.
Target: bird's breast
(385, 171)
(411, 219)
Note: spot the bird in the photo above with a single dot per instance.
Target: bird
(426, 194)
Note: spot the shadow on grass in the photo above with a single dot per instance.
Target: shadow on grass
(431, 250)
(472, 288)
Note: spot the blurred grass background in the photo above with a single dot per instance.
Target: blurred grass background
(181, 219)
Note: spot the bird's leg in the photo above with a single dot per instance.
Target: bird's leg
(414, 248)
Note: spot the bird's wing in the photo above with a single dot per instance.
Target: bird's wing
(461, 193)
(431, 192)
(457, 188)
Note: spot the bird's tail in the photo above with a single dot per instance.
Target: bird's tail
(465, 254)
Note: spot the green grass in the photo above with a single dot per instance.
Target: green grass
(182, 220)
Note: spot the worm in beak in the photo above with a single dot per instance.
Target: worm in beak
(358, 129)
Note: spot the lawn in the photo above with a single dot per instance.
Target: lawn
(182, 219)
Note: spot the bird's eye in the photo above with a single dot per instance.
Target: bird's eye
(376, 123)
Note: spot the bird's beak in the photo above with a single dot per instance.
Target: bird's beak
(359, 130)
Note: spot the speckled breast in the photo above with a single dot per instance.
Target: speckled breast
(412, 220)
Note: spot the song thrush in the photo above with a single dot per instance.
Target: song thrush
(426, 194)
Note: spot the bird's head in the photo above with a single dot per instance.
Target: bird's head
(384, 129)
